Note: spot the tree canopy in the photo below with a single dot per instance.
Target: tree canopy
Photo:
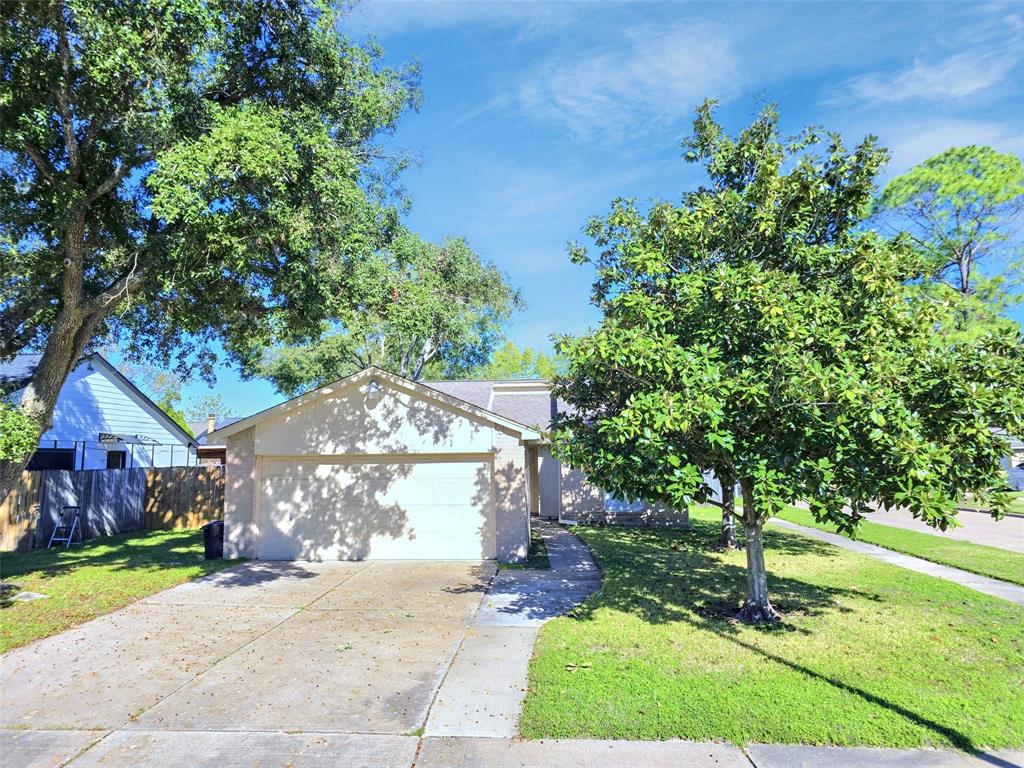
(184, 177)
(759, 330)
(415, 308)
(962, 208)
(510, 361)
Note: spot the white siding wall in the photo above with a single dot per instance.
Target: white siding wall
(93, 401)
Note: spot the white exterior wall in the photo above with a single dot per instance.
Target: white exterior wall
(348, 427)
(511, 499)
(241, 524)
(348, 423)
(92, 401)
(550, 477)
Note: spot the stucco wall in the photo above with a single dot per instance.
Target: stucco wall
(550, 477)
(511, 502)
(241, 525)
(351, 422)
(583, 502)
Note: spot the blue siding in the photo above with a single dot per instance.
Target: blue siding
(94, 401)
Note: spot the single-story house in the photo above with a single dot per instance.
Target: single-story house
(375, 466)
(101, 420)
(211, 452)
(1013, 463)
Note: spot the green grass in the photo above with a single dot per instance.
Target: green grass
(90, 580)
(976, 558)
(1016, 503)
(870, 654)
(536, 557)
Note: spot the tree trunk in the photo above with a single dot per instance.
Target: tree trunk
(72, 330)
(757, 609)
(728, 538)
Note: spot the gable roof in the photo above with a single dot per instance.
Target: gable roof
(527, 401)
(421, 389)
(16, 373)
(202, 433)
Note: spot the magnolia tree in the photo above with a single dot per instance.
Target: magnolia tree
(758, 331)
(183, 178)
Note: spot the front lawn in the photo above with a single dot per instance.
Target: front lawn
(968, 556)
(89, 580)
(1016, 503)
(871, 654)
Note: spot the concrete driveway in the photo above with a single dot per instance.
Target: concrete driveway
(342, 658)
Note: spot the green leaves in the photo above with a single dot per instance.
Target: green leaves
(216, 157)
(760, 331)
(960, 207)
(18, 433)
(413, 308)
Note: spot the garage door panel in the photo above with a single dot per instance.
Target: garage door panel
(369, 509)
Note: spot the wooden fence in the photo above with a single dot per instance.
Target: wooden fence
(112, 501)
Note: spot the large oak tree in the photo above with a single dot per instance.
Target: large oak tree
(416, 308)
(181, 176)
(758, 330)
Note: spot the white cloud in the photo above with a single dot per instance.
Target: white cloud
(987, 55)
(649, 77)
(915, 141)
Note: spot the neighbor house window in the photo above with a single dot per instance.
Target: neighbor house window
(116, 459)
(617, 504)
(52, 458)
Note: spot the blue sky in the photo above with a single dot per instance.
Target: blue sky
(537, 115)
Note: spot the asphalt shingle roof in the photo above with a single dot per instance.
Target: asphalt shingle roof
(532, 409)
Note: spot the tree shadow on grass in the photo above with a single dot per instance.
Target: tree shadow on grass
(665, 576)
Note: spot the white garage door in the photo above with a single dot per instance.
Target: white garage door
(366, 508)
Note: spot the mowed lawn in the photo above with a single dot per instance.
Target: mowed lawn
(968, 556)
(88, 580)
(871, 654)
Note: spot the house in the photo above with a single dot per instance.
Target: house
(211, 453)
(375, 466)
(101, 420)
(1013, 463)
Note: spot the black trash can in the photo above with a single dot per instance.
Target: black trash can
(213, 539)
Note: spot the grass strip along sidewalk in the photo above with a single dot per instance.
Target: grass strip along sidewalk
(977, 558)
(92, 579)
(870, 654)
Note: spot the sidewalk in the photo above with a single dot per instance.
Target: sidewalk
(590, 753)
(994, 587)
(482, 693)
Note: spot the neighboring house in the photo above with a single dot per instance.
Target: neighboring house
(380, 467)
(1014, 464)
(101, 420)
(211, 453)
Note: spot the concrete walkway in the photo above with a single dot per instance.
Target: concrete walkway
(483, 691)
(323, 665)
(994, 587)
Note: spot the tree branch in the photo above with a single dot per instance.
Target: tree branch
(110, 183)
(41, 163)
(62, 94)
